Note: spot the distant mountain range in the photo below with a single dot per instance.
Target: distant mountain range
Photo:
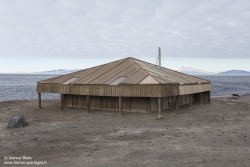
(59, 71)
(235, 72)
(193, 71)
(183, 69)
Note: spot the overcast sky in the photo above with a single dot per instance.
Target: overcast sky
(37, 35)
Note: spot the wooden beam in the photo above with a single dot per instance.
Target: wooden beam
(201, 100)
(39, 100)
(62, 101)
(88, 103)
(191, 101)
(120, 106)
(159, 108)
(177, 103)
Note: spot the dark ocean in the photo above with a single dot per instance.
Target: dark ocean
(23, 86)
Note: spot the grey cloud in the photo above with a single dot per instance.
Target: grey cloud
(99, 29)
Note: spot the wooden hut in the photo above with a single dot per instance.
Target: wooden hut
(127, 85)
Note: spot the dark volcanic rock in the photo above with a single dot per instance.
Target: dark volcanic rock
(17, 121)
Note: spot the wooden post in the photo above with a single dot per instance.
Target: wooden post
(120, 106)
(201, 99)
(208, 96)
(159, 57)
(177, 103)
(88, 103)
(62, 101)
(191, 101)
(39, 100)
(159, 107)
(148, 103)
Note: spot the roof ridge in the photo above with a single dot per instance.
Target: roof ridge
(134, 59)
(140, 68)
(139, 65)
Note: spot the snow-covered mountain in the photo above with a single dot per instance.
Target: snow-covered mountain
(238, 72)
(59, 71)
(193, 71)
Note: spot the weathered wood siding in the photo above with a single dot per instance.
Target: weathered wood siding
(109, 90)
(130, 104)
(205, 97)
(124, 90)
(153, 104)
(184, 99)
(139, 104)
(170, 102)
(95, 102)
(109, 103)
(165, 102)
(133, 104)
(126, 103)
(191, 89)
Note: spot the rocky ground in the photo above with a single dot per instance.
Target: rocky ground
(215, 134)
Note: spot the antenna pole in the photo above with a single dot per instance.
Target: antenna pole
(159, 57)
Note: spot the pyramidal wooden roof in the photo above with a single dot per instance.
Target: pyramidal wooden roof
(125, 71)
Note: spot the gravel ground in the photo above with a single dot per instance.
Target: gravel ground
(215, 134)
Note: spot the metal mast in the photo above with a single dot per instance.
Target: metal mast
(159, 57)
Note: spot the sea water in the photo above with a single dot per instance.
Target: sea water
(23, 86)
(223, 85)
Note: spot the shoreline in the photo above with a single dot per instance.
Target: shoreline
(229, 96)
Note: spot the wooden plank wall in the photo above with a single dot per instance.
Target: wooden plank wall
(75, 101)
(81, 101)
(165, 102)
(95, 102)
(153, 104)
(126, 104)
(139, 104)
(191, 89)
(133, 104)
(205, 97)
(109, 90)
(184, 99)
(109, 103)
(68, 100)
(169, 102)
(169, 90)
(124, 90)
